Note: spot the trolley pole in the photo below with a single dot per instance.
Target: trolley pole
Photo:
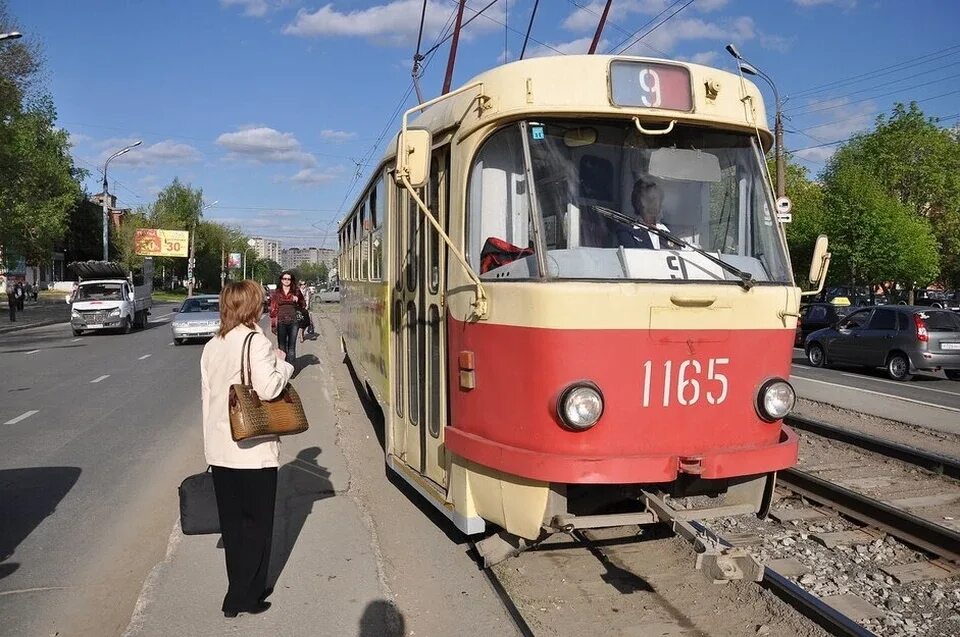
(452, 60)
(600, 25)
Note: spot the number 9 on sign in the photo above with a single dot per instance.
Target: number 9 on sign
(650, 84)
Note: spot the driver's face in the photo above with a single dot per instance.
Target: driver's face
(647, 199)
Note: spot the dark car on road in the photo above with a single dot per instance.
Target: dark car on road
(817, 316)
(947, 299)
(902, 338)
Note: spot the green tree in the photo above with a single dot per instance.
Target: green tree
(917, 162)
(808, 218)
(874, 237)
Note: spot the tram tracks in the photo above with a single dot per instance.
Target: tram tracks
(843, 532)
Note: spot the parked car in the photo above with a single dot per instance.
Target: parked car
(902, 338)
(949, 299)
(817, 316)
(330, 296)
(197, 317)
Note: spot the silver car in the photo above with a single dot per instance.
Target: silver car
(901, 338)
(198, 317)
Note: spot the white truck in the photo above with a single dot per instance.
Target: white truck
(107, 297)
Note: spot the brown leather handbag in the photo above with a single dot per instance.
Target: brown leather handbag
(250, 416)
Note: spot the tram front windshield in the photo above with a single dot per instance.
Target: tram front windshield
(570, 199)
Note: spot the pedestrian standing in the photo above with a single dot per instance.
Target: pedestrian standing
(10, 289)
(244, 473)
(20, 295)
(284, 306)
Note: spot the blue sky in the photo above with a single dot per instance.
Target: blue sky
(273, 106)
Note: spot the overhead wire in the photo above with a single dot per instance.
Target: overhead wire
(852, 137)
(884, 70)
(619, 28)
(872, 97)
(803, 109)
(644, 26)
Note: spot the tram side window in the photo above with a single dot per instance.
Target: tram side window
(365, 228)
(499, 210)
(376, 212)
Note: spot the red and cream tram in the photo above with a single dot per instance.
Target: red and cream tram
(571, 285)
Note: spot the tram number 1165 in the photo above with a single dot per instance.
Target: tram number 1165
(686, 383)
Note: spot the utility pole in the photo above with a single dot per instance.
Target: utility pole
(191, 262)
(223, 272)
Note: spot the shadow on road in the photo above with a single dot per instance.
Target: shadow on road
(27, 497)
(382, 619)
(300, 483)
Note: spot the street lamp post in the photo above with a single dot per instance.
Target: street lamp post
(106, 222)
(750, 69)
(191, 263)
(13, 35)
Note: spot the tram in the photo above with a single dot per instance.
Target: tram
(568, 288)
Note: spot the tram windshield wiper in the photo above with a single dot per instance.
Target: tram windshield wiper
(744, 279)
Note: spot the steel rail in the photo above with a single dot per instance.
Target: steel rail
(936, 539)
(806, 603)
(936, 463)
(523, 628)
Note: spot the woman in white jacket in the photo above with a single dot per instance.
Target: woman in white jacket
(244, 473)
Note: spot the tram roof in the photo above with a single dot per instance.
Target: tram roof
(578, 86)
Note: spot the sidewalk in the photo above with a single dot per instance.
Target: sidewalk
(326, 573)
(35, 314)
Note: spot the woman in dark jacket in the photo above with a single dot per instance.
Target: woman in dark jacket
(284, 304)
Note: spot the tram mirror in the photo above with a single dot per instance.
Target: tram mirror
(819, 262)
(684, 164)
(416, 158)
(580, 137)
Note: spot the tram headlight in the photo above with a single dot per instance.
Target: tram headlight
(775, 399)
(580, 406)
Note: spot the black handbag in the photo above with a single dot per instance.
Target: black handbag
(198, 505)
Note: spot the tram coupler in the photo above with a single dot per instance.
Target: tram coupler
(718, 561)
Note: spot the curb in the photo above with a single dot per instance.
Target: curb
(27, 326)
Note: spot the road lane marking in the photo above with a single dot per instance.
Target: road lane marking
(878, 393)
(166, 315)
(33, 351)
(883, 380)
(22, 416)
(75, 340)
(145, 357)
(99, 378)
(170, 343)
(904, 385)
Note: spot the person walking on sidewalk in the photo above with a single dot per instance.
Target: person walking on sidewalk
(11, 290)
(285, 304)
(20, 295)
(244, 473)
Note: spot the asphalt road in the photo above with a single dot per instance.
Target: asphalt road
(928, 400)
(94, 431)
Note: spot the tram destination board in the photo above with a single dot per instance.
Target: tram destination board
(650, 85)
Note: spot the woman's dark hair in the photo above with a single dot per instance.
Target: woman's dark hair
(293, 280)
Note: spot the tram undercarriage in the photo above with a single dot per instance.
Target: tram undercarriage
(680, 504)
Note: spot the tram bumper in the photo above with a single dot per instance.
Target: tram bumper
(624, 469)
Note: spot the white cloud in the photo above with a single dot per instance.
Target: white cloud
(841, 120)
(580, 45)
(265, 145)
(255, 8)
(315, 176)
(711, 5)
(586, 18)
(776, 43)
(843, 4)
(336, 135)
(704, 57)
(817, 155)
(690, 29)
(394, 23)
(167, 151)
(278, 213)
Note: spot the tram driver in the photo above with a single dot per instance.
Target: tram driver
(647, 199)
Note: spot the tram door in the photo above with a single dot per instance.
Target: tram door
(418, 334)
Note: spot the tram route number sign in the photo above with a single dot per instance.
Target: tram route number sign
(650, 85)
(150, 242)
